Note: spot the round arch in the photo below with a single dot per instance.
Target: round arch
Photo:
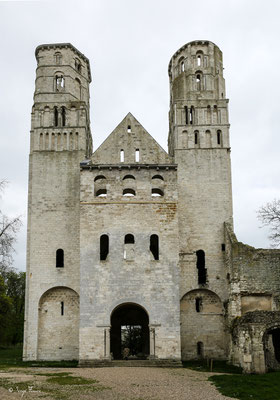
(129, 332)
(58, 324)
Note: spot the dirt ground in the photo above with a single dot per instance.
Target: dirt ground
(119, 383)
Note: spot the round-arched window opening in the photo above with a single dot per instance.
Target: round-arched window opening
(158, 177)
(129, 193)
(98, 177)
(129, 238)
(157, 192)
(128, 177)
(101, 193)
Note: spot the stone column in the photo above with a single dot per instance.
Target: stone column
(107, 353)
(152, 342)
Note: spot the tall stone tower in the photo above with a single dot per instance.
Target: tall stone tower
(199, 143)
(60, 139)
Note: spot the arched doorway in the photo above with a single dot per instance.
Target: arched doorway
(272, 348)
(130, 330)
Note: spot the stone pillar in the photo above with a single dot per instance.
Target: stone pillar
(107, 352)
(152, 342)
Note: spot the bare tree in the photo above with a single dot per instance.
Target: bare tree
(8, 230)
(269, 215)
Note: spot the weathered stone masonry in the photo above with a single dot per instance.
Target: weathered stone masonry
(131, 237)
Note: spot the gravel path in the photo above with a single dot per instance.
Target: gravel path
(128, 384)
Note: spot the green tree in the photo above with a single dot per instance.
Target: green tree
(5, 308)
(15, 284)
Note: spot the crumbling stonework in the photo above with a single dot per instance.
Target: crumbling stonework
(131, 240)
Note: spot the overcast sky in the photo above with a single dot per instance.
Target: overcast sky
(129, 44)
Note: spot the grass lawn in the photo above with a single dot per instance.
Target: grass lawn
(249, 387)
(12, 357)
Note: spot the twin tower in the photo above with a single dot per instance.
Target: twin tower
(126, 253)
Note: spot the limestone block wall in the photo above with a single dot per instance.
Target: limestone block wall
(203, 330)
(140, 279)
(58, 325)
(53, 223)
(204, 185)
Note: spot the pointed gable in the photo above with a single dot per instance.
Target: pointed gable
(130, 137)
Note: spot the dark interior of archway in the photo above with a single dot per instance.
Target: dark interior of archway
(130, 330)
(276, 343)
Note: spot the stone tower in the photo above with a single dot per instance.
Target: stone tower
(60, 139)
(199, 142)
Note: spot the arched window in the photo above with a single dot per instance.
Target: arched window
(59, 258)
(198, 78)
(98, 177)
(154, 246)
(186, 115)
(63, 116)
(181, 65)
(219, 137)
(128, 177)
(55, 116)
(129, 192)
(198, 304)
(104, 247)
(158, 177)
(101, 193)
(122, 155)
(199, 349)
(57, 58)
(196, 133)
(128, 251)
(129, 239)
(198, 60)
(59, 82)
(191, 115)
(157, 192)
(200, 264)
(137, 155)
(78, 65)
(129, 129)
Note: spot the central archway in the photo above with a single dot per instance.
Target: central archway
(130, 332)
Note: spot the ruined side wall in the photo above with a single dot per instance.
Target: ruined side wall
(254, 277)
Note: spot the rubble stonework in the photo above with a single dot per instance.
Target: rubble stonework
(132, 236)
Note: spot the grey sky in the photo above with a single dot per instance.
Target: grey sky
(129, 44)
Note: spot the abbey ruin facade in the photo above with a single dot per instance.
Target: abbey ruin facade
(131, 251)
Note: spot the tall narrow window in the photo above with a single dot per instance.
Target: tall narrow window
(55, 116)
(104, 247)
(198, 81)
(137, 155)
(218, 137)
(63, 116)
(62, 308)
(154, 246)
(182, 66)
(128, 251)
(191, 115)
(196, 137)
(129, 129)
(59, 82)
(198, 304)
(122, 155)
(199, 349)
(59, 258)
(198, 61)
(200, 264)
(186, 115)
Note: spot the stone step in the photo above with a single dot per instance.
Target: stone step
(130, 363)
